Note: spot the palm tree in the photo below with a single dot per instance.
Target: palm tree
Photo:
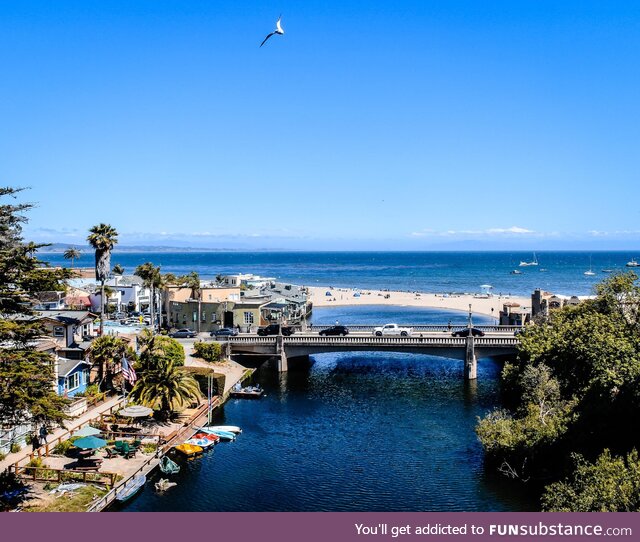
(151, 278)
(102, 239)
(72, 254)
(192, 280)
(118, 269)
(164, 386)
(106, 352)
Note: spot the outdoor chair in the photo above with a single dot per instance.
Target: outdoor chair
(111, 452)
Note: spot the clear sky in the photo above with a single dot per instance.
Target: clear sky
(369, 124)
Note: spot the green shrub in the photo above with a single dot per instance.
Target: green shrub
(208, 351)
(15, 447)
(63, 447)
(149, 448)
(2, 456)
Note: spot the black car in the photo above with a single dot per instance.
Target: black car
(225, 332)
(274, 329)
(183, 334)
(334, 330)
(475, 332)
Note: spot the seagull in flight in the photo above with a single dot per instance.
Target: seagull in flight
(278, 30)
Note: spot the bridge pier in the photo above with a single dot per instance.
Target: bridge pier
(283, 365)
(470, 360)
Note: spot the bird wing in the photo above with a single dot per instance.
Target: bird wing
(278, 27)
(265, 39)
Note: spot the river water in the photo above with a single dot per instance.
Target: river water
(352, 432)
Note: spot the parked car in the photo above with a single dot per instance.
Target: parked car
(475, 332)
(224, 332)
(274, 329)
(183, 334)
(334, 330)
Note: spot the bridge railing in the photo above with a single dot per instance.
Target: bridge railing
(299, 340)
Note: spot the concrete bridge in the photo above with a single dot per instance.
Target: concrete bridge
(435, 343)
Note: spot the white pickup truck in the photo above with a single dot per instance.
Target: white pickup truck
(392, 329)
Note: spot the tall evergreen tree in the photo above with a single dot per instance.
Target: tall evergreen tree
(27, 392)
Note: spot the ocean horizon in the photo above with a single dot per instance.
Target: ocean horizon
(560, 272)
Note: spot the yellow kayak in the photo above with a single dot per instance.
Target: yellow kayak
(189, 449)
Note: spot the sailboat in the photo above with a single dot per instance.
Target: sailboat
(589, 273)
(532, 262)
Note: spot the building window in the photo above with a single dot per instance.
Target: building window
(73, 381)
(203, 317)
(248, 318)
(58, 331)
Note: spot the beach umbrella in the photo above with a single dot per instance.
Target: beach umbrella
(486, 286)
(90, 443)
(328, 293)
(87, 431)
(135, 411)
(356, 294)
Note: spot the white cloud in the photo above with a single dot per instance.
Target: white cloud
(513, 230)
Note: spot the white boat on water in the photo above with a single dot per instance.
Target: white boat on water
(532, 262)
(633, 263)
(589, 273)
(228, 428)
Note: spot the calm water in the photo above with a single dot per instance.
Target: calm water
(360, 431)
(423, 271)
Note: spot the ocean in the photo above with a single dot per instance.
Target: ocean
(434, 272)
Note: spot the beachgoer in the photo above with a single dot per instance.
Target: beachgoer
(449, 325)
(35, 443)
(43, 434)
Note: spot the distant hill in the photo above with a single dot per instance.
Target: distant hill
(119, 249)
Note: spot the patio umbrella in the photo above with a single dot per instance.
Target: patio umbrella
(87, 431)
(135, 411)
(90, 443)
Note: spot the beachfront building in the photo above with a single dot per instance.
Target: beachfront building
(246, 281)
(513, 314)
(543, 302)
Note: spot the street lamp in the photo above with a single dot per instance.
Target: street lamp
(470, 315)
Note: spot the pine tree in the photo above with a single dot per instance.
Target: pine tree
(27, 392)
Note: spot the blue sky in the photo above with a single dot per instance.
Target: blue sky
(369, 124)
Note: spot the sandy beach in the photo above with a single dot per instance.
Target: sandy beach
(458, 302)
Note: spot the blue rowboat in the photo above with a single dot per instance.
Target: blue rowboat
(131, 488)
(224, 435)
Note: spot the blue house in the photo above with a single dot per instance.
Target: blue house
(73, 376)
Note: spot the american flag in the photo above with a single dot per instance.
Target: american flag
(128, 371)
